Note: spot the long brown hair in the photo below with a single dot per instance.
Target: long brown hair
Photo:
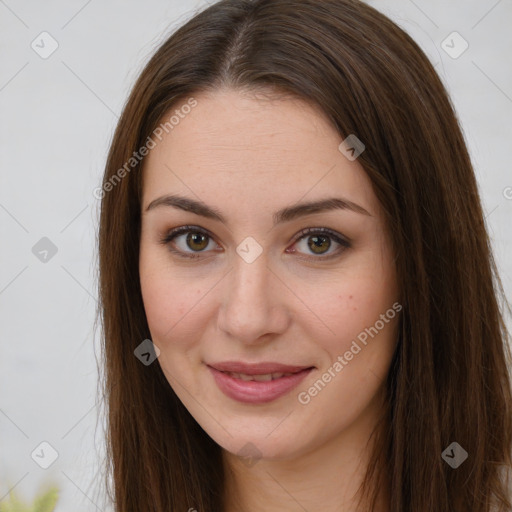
(448, 381)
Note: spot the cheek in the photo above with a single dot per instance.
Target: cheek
(344, 309)
(170, 314)
(171, 305)
(357, 347)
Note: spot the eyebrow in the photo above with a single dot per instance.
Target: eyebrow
(285, 215)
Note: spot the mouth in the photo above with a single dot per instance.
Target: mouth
(255, 369)
(254, 386)
(265, 377)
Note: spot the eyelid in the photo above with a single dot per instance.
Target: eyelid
(340, 239)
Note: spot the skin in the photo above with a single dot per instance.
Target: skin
(248, 156)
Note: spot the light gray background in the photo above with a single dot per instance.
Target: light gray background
(57, 118)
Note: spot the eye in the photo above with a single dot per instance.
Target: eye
(189, 239)
(318, 241)
(192, 240)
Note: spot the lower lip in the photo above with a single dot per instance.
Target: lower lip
(254, 392)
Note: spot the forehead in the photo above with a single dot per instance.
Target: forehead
(238, 147)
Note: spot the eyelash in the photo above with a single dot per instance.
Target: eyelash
(171, 235)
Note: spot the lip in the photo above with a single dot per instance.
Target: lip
(256, 368)
(254, 392)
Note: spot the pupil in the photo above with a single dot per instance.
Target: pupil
(197, 238)
(317, 242)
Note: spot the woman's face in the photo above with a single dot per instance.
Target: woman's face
(244, 282)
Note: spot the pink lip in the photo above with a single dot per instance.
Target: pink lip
(253, 392)
(256, 368)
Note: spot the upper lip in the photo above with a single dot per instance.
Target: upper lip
(256, 368)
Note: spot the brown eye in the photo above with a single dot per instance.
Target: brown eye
(319, 244)
(318, 241)
(197, 241)
(187, 241)
(190, 242)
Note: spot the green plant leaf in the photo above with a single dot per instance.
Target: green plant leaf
(13, 504)
(47, 502)
(44, 503)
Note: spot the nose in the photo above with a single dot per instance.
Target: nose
(254, 303)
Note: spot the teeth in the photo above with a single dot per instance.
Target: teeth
(259, 378)
(241, 376)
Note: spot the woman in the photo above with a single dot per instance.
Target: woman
(298, 295)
